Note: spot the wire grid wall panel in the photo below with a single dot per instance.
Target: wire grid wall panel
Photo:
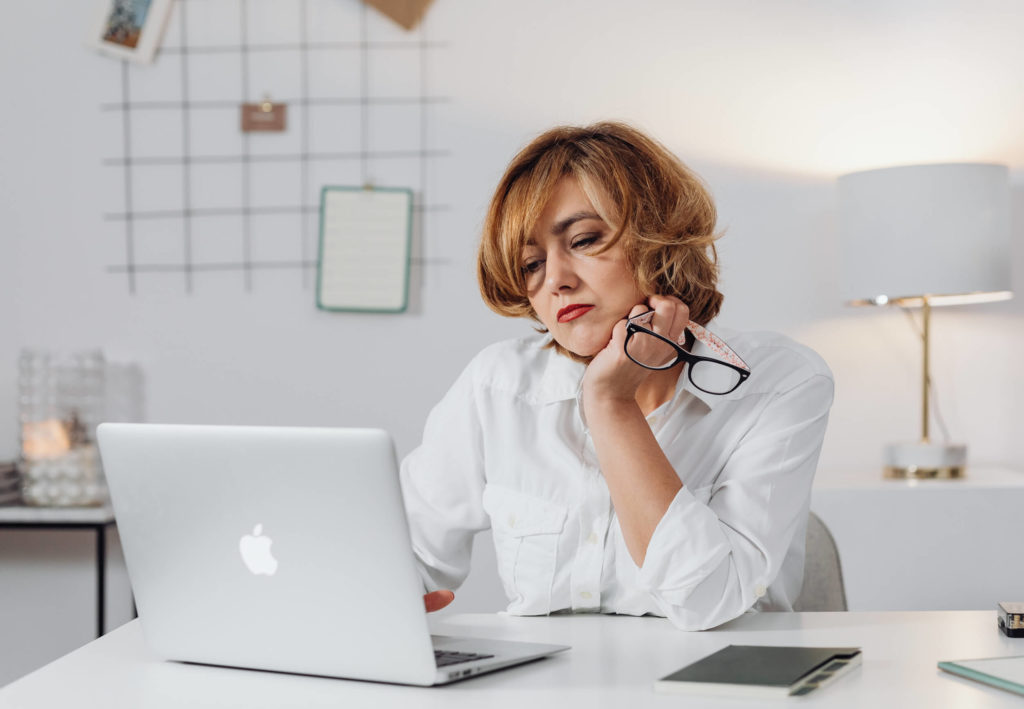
(201, 197)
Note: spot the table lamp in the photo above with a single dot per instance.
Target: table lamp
(921, 236)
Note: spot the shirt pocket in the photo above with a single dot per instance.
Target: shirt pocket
(526, 530)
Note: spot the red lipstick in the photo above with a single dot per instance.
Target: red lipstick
(571, 312)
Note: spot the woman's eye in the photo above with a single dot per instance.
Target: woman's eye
(585, 240)
(532, 267)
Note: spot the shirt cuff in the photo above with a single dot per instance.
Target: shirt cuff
(687, 547)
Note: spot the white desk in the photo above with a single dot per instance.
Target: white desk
(613, 662)
(926, 544)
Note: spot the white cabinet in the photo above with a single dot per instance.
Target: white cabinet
(50, 584)
(928, 544)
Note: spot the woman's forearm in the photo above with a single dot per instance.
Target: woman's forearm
(641, 480)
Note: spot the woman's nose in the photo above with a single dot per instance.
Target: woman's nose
(561, 273)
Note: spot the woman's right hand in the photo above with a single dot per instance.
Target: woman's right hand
(611, 374)
(436, 600)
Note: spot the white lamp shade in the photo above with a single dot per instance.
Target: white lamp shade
(935, 230)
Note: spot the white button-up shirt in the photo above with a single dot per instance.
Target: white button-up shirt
(508, 448)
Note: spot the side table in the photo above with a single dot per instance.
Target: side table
(926, 544)
(98, 519)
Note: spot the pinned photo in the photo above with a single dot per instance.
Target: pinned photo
(130, 29)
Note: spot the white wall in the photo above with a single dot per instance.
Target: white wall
(768, 101)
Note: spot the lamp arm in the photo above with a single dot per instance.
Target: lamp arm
(926, 312)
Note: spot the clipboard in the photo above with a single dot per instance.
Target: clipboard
(365, 247)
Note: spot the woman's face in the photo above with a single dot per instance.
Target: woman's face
(577, 293)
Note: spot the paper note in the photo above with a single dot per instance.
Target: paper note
(407, 13)
(364, 249)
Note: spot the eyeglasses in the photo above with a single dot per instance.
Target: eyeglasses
(653, 351)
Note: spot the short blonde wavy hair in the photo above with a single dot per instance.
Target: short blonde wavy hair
(661, 211)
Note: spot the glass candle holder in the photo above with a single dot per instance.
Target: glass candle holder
(61, 400)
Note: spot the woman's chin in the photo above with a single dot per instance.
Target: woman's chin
(582, 349)
(584, 340)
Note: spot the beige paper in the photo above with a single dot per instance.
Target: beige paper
(364, 249)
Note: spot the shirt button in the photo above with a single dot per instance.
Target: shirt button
(585, 594)
(760, 590)
(592, 539)
(511, 520)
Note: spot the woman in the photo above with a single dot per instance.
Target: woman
(610, 486)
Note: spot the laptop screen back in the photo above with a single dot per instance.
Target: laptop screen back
(271, 548)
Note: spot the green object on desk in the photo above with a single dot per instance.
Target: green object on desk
(1002, 672)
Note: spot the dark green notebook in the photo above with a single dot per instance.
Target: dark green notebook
(762, 671)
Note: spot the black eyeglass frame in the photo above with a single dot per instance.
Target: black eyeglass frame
(633, 328)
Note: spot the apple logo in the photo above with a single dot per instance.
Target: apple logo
(255, 549)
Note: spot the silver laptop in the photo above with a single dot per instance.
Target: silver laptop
(280, 549)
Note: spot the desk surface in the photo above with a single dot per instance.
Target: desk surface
(613, 663)
(29, 515)
(977, 478)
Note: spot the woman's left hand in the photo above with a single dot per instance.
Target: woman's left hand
(436, 600)
(611, 375)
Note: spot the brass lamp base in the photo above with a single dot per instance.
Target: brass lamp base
(925, 460)
(921, 473)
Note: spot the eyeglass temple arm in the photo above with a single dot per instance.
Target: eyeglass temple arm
(716, 345)
(712, 341)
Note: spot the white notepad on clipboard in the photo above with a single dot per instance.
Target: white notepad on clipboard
(365, 240)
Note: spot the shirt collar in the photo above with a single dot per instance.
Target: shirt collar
(684, 384)
(711, 400)
(562, 378)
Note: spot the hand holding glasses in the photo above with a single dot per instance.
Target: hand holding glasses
(653, 351)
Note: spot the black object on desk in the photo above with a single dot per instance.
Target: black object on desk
(98, 519)
(762, 671)
(1011, 619)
